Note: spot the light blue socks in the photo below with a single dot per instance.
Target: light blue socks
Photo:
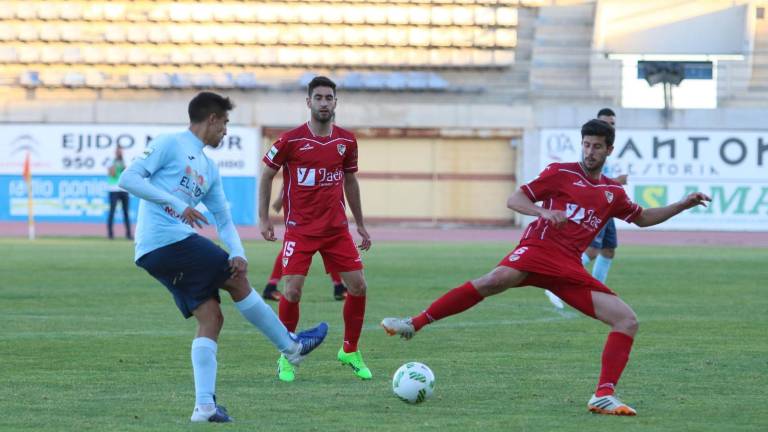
(204, 368)
(264, 318)
(601, 267)
(585, 259)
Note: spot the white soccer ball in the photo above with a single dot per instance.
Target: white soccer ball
(413, 382)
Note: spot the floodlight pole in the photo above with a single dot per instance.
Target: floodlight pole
(666, 113)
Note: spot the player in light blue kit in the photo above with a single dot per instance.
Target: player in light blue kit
(172, 177)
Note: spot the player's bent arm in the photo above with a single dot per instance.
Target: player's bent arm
(352, 192)
(133, 181)
(520, 203)
(654, 216)
(265, 191)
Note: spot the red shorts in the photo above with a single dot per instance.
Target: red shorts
(338, 251)
(557, 272)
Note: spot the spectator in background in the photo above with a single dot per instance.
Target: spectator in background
(116, 194)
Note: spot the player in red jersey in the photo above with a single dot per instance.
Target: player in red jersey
(319, 162)
(577, 200)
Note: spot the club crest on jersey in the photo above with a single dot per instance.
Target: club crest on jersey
(341, 148)
(609, 196)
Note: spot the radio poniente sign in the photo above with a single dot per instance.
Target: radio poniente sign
(69, 168)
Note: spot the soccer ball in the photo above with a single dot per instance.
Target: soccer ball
(413, 382)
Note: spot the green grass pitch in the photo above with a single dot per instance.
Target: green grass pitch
(88, 341)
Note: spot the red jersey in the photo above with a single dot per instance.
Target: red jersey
(588, 205)
(313, 178)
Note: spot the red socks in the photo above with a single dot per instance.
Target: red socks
(454, 301)
(615, 357)
(354, 315)
(288, 313)
(277, 270)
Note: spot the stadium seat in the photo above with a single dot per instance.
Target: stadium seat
(49, 33)
(180, 81)
(73, 80)
(95, 79)
(27, 54)
(160, 81)
(114, 34)
(436, 82)
(223, 80)
(52, 78)
(7, 33)
(352, 81)
(246, 81)
(374, 81)
(202, 80)
(417, 81)
(306, 77)
(138, 80)
(72, 12)
(30, 79)
(25, 11)
(50, 54)
(180, 56)
(8, 54)
(26, 33)
(396, 81)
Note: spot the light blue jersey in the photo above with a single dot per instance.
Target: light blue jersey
(172, 174)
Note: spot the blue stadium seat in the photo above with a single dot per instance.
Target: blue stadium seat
(223, 80)
(247, 81)
(305, 78)
(180, 80)
(30, 79)
(353, 81)
(417, 81)
(436, 82)
(374, 81)
(396, 81)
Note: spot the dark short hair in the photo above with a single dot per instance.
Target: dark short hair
(601, 128)
(606, 112)
(207, 103)
(320, 81)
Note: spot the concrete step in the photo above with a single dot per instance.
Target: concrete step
(573, 13)
(581, 30)
(563, 40)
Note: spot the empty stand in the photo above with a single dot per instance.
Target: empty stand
(214, 43)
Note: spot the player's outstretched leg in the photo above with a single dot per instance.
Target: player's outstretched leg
(453, 302)
(456, 301)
